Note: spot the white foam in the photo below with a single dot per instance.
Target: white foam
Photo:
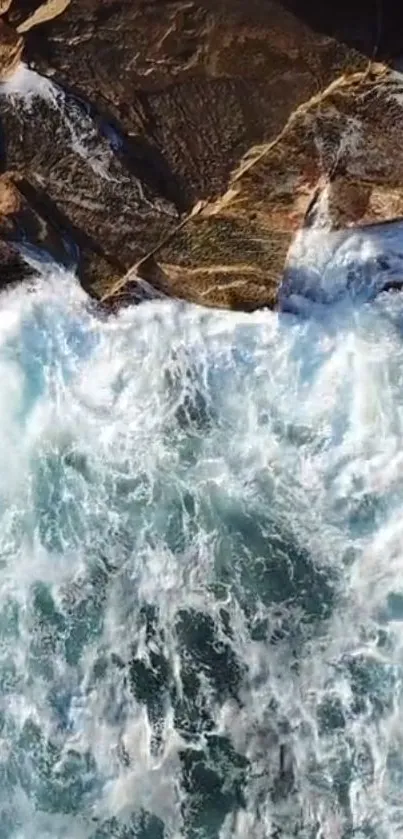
(25, 86)
(110, 468)
(354, 263)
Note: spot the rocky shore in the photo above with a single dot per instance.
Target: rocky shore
(184, 142)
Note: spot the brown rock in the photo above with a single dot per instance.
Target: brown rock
(43, 13)
(10, 197)
(201, 81)
(175, 94)
(4, 6)
(234, 106)
(71, 176)
(23, 216)
(27, 213)
(338, 161)
(11, 46)
(220, 260)
(13, 268)
(20, 10)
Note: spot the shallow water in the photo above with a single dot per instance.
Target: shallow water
(201, 549)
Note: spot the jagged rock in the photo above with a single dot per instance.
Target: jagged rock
(338, 161)
(4, 6)
(220, 261)
(11, 46)
(23, 217)
(13, 268)
(200, 81)
(45, 12)
(169, 98)
(10, 199)
(21, 12)
(267, 122)
(72, 176)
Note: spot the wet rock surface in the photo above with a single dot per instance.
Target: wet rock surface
(13, 267)
(186, 143)
(332, 167)
(79, 183)
(201, 81)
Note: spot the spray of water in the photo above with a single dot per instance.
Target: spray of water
(23, 90)
(201, 570)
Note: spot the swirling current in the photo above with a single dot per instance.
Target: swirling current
(201, 551)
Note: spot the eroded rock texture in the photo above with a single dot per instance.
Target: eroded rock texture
(332, 165)
(186, 141)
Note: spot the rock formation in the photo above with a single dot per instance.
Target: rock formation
(11, 46)
(185, 142)
(333, 164)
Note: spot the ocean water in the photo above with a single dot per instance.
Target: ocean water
(201, 569)
(201, 551)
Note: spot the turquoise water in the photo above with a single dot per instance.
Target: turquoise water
(201, 589)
